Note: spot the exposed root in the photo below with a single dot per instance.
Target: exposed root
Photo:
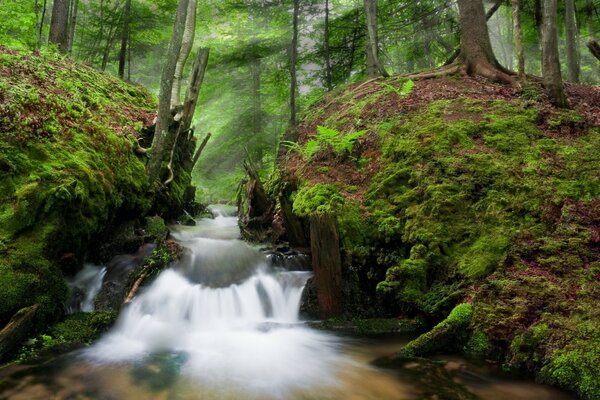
(436, 73)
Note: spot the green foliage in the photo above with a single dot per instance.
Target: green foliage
(68, 167)
(405, 90)
(575, 369)
(317, 199)
(329, 138)
(478, 343)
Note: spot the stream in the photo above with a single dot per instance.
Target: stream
(223, 323)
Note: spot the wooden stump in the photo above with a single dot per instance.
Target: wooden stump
(326, 263)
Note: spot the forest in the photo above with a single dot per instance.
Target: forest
(285, 199)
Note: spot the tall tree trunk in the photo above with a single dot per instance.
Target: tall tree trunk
(38, 25)
(476, 53)
(518, 37)
(73, 23)
(572, 41)
(255, 72)
(42, 21)
(591, 32)
(293, 65)
(328, 72)
(59, 25)
(124, 38)
(161, 134)
(374, 65)
(186, 48)
(550, 60)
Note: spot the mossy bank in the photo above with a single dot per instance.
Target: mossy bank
(456, 191)
(69, 172)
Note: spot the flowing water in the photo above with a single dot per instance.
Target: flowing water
(223, 324)
(84, 288)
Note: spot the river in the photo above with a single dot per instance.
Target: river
(224, 324)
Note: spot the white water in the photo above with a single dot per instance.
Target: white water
(244, 337)
(88, 281)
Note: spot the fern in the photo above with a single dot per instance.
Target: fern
(404, 91)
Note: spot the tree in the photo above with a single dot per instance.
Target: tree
(518, 34)
(550, 60)
(161, 133)
(592, 32)
(293, 62)
(72, 23)
(59, 25)
(124, 38)
(186, 48)
(328, 73)
(572, 38)
(374, 65)
(476, 53)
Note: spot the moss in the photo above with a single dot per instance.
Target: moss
(67, 170)
(478, 344)
(156, 229)
(317, 199)
(83, 328)
(449, 334)
(575, 369)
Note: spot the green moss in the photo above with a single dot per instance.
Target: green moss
(478, 344)
(317, 199)
(67, 168)
(575, 369)
(83, 328)
(156, 229)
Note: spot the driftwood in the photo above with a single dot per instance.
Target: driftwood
(326, 263)
(136, 286)
(17, 329)
(594, 48)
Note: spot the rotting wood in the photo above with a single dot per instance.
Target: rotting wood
(326, 263)
(17, 329)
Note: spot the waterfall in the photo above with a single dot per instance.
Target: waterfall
(84, 288)
(245, 333)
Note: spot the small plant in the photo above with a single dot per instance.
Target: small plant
(404, 91)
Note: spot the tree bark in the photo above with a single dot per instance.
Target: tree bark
(124, 38)
(328, 73)
(518, 37)
(59, 25)
(550, 60)
(490, 13)
(476, 54)
(326, 263)
(42, 20)
(594, 47)
(186, 48)
(374, 65)
(592, 33)
(73, 23)
(161, 134)
(198, 152)
(572, 37)
(293, 64)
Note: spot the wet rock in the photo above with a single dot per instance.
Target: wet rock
(119, 272)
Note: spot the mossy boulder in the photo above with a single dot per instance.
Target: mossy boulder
(467, 191)
(68, 170)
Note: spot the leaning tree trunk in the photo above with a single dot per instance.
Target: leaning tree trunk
(326, 263)
(594, 47)
(161, 134)
(186, 48)
(518, 37)
(550, 60)
(572, 37)
(476, 53)
(59, 25)
(17, 329)
(374, 64)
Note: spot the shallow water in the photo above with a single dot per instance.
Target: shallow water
(189, 336)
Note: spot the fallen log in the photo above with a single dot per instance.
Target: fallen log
(17, 329)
